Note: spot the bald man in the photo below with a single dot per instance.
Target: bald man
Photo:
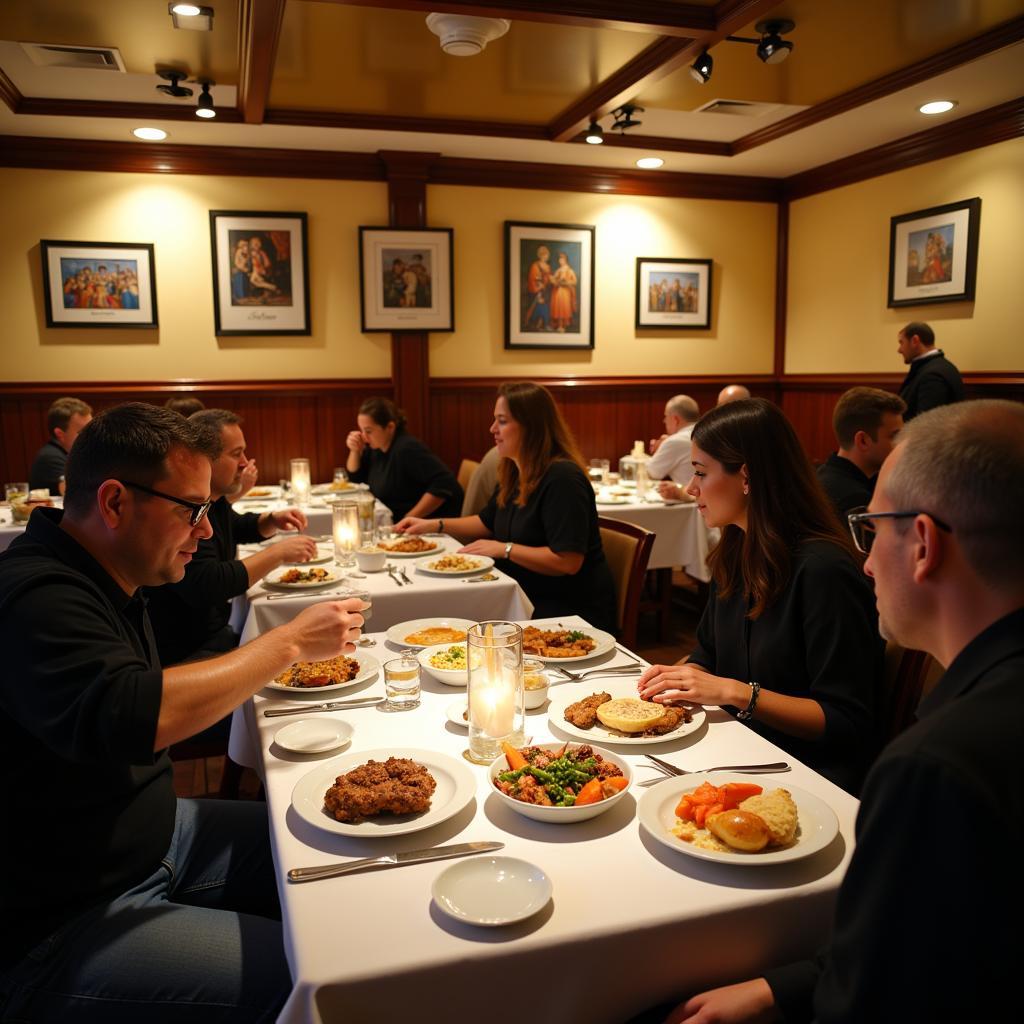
(732, 393)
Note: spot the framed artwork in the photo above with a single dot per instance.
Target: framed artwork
(260, 272)
(673, 294)
(98, 284)
(405, 279)
(549, 285)
(933, 254)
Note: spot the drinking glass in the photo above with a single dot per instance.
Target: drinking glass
(15, 492)
(402, 682)
(385, 524)
(340, 476)
(363, 595)
(367, 504)
(599, 469)
(494, 655)
(345, 532)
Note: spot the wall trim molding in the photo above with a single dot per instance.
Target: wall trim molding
(197, 386)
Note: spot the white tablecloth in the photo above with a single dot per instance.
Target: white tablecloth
(8, 529)
(630, 924)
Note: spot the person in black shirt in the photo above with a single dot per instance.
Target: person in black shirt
(542, 520)
(65, 420)
(932, 379)
(401, 470)
(789, 638)
(121, 902)
(866, 422)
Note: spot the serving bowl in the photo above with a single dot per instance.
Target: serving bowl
(371, 559)
(448, 676)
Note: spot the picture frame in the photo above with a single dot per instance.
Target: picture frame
(99, 284)
(673, 294)
(549, 285)
(933, 254)
(405, 279)
(260, 272)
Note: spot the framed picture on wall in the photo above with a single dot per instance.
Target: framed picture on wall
(673, 294)
(549, 285)
(405, 279)
(260, 272)
(933, 254)
(98, 284)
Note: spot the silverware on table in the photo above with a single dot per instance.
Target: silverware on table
(391, 860)
(614, 670)
(750, 769)
(485, 578)
(393, 573)
(404, 574)
(334, 705)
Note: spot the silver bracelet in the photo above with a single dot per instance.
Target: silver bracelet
(748, 712)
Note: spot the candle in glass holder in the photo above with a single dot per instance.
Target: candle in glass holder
(301, 481)
(345, 529)
(494, 657)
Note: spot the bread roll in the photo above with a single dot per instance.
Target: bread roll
(630, 714)
(741, 830)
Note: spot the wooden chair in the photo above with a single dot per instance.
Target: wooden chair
(201, 747)
(908, 676)
(466, 472)
(628, 550)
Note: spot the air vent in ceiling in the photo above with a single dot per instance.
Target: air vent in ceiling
(736, 108)
(91, 58)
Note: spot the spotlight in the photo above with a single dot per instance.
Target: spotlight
(700, 70)
(772, 48)
(193, 16)
(624, 117)
(204, 105)
(937, 107)
(174, 77)
(595, 134)
(149, 134)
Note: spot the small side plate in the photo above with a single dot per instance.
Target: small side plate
(314, 736)
(491, 891)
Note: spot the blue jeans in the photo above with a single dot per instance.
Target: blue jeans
(197, 941)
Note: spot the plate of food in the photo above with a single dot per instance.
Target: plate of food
(417, 633)
(455, 565)
(388, 792)
(332, 674)
(761, 823)
(552, 642)
(613, 499)
(262, 492)
(410, 547)
(244, 505)
(302, 579)
(446, 663)
(324, 554)
(338, 487)
(609, 711)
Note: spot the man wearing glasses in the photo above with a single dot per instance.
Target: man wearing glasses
(129, 903)
(927, 924)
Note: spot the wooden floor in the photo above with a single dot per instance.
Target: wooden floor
(202, 778)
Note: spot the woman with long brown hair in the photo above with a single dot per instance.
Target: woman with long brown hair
(541, 522)
(789, 639)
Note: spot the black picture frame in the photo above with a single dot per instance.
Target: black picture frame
(673, 294)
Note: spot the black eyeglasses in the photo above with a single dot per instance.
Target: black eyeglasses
(863, 529)
(198, 509)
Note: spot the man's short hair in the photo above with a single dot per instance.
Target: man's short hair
(862, 409)
(964, 464)
(127, 442)
(210, 424)
(923, 331)
(184, 406)
(58, 416)
(684, 407)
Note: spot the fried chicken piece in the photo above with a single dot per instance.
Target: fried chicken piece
(395, 786)
(673, 716)
(583, 714)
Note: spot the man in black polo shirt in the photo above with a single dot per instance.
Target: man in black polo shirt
(866, 422)
(65, 420)
(120, 902)
(932, 379)
(190, 617)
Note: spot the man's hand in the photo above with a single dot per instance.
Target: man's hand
(327, 629)
(249, 477)
(295, 549)
(750, 1002)
(289, 520)
(655, 443)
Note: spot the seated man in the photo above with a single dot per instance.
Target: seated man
(670, 453)
(482, 483)
(130, 904)
(65, 420)
(733, 393)
(866, 422)
(190, 617)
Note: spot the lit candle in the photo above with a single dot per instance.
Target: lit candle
(345, 529)
(301, 481)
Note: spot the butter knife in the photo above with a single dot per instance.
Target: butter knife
(391, 860)
(336, 705)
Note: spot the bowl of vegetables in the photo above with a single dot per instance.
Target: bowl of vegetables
(560, 782)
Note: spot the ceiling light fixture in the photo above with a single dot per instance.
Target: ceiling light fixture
(595, 134)
(650, 163)
(624, 117)
(173, 76)
(771, 47)
(149, 134)
(937, 107)
(193, 16)
(204, 105)
(463, 35)
(700, 70)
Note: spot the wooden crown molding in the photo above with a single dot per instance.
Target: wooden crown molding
(136, 111)
(431, 125)
(259, 31)
(183, 386)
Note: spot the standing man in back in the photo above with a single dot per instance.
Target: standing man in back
(65, 420)
(932, 379)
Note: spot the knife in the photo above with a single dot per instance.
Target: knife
(337, 705)
(391, 860)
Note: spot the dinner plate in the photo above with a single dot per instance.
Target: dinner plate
(485, 563)
(491, 891)
(368, 666)
(456, 710)
(657, 813)
(323, 556)
(397, 633)
(275, 582)
(258, 492)
(251, 506)
(563, 696)
(438, 547)
(605, 642)
(615, 499)
(456, 787)
(327, 489)
(314, 735)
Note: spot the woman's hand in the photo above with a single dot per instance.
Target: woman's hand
(674, 492)
(492, 548)
(355, 441)
(750, 1002)
(667, 683)
(413, 525)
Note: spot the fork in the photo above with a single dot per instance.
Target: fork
(393, 573)
(618, 670)
(752, 769)
(404, 575)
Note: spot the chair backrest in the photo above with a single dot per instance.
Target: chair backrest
(465, 472)
(627, 549)
(909, 675)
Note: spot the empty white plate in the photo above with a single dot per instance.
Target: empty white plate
(313, 735)
(491, 891)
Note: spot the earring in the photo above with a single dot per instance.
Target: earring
(746, 489)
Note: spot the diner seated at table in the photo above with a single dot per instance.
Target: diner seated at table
(927, 922)
(670, 453)
(191, 616)
(64, 419)
(788, 641)
(121, 902)
(540, 525)
(402, 472)
(733, 393)
(482, 483)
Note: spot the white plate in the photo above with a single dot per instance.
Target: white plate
(326, 489)
(565, 695)
(275, 582)
(323, 556)
(615, 499)
(818, 822)
(485, 564)
(262, 493)
(605, 642)
(491, 891)
(448, 676)
(368, 666)
(435, 550)
(455, 711)
(314, 735)
(456, 787)
(398, 632)
(252, 506)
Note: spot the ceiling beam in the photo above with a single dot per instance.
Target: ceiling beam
(47, 107)
(396, 123)
(259, 31)
(9, 92)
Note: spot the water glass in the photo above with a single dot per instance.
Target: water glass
(363, 595)
(599, 469)
(367, 505)
(402, 682)
(385, 524)
(16, 492)
(340, 476)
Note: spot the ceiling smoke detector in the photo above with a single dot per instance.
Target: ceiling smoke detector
(465, 36)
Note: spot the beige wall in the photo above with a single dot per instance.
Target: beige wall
(173, 213)
(739, 237)
(838, 321)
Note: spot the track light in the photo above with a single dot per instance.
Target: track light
(204, 105)
(772, 48)
(174, 77)
(624, 117)
(700, 70)
(595, 134)
(197, 17)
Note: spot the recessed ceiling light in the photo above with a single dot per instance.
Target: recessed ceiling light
(197, 17)
(937, 106)
(650, 163)
(186, 10)
(149, 134)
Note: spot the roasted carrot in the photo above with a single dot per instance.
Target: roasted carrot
(734, 793)
(514, 758)
(684, 809)
(590, 793)
(700, 814)
(616, 784)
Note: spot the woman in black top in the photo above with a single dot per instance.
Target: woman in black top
(789, 639)
(541, 519)
(401, 470)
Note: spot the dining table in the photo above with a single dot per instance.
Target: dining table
(632, 921)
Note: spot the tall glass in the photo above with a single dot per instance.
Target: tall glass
(497, 714)
(345, 531)
(366, 503)
(301, 480)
